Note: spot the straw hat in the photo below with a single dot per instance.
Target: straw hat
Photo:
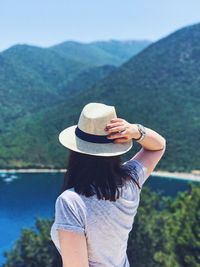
(89, 136)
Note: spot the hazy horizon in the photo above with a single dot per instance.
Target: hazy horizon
(81, 42)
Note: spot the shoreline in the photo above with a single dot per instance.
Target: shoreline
(175, 175)
(31, 170)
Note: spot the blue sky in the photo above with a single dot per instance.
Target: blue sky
(44, 23)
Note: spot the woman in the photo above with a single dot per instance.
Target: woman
(95, 212)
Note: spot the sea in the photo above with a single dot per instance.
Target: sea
(27, 196)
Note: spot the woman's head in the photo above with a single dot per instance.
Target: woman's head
(89, 136)
(89, 175)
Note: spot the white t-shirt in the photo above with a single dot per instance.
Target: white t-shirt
(106, 224)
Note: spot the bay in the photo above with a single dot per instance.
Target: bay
(24, 197)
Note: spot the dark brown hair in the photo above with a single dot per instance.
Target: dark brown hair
(90, 175)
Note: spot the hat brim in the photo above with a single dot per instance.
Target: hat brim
(68, 139)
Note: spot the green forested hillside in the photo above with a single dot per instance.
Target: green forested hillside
(87, 79)
(30, 79)
(33, 78)
(158, 88)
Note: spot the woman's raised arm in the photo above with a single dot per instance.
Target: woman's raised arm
(153, 144)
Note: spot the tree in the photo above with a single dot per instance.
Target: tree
(34, 248)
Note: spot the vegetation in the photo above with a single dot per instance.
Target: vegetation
(166, 232)
(170, 237)
(34, 248)
(33, 79)
(159, 88)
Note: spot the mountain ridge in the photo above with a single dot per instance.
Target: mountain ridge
(39, 76)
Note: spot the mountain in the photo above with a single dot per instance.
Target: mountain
(30, 79)
(111, 52)
(88, 78)
(159, 88)
(33, 78)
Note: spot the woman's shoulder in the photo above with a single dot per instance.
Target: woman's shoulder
(71, 198)
(136, 170)
(68, 193)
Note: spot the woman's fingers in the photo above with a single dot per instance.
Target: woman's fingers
(116, 119)
(116, 129)
(116, 135)
(111, 125)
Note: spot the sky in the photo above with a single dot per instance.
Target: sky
(47, 22)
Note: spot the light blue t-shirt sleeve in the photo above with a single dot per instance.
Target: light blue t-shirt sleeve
(68, 215)
(137, 171)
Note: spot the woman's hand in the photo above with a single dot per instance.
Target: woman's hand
(121, 130)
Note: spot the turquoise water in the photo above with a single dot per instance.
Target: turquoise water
(23, 197)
